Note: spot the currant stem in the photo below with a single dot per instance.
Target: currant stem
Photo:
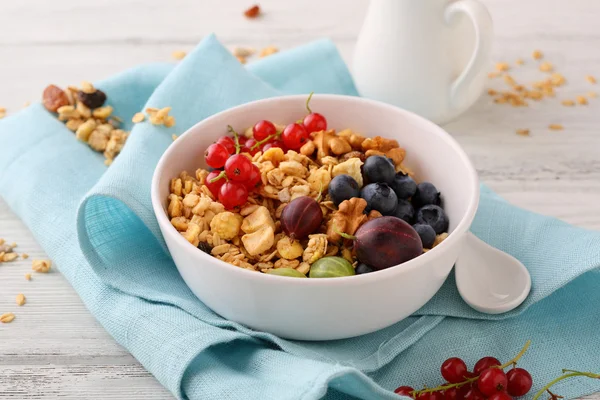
(220, 176)
(570, 374)
(308, 101)
(415, 393)
(235, 138)
(517, 357)
(265, 140)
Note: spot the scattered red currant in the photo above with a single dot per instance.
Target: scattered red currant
(238, 167)
(519, 382)
(274, 143)
(294, 136)
(474, 394)
(228, 142)
(454, 370)
(404, 391)
(233, 194)
(492, 380)
(263, 129)
(315, 122)
(216, 154)
(485, 363)
(215, 186)
(500, 396)
(254, 180)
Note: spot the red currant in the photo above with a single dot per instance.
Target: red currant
(424, 396)
(492, 380)
(454, 370)
(474, 394)
(500, 396)
(263, 129)
(436, 396)
(519, 382)
(233, 194)
(238, 167)
(404, 391)
(294, 136)
(242, 140)
(254, 180)
(249, 146)
(315, 122)
(484, 364)
(451, 394)
(215, 186)
(216, 154)
(228, 142)
(274, 143)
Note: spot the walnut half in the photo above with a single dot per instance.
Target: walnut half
(349, 216)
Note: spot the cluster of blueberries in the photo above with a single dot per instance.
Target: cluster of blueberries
(395, 194)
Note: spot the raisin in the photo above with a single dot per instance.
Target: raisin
(92, 100)
(54, 98)
(205, 247)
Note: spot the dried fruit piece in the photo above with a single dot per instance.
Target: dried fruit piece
(54, 97)
(253, 11)
(20, 299)
(42, 266)
(93, 99)
(7, 317)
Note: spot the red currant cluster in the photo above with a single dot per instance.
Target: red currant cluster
(232, 184)
(487, 381)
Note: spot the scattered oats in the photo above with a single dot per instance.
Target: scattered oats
(1, 241)
(523, 132)
(2, 112)
(546, 67)
(8, 257)
(241, 59)
(28, 276)
(24, 256)
(440, 238)
(243, 51)
(592, 94)
(556, 127)
(568, 103)
(7, 317)
(537, 55)
(267, 51)
(557, 79)
(493, 75)
(502, 66)
(178, 54)
(519, 61)
(87, 87)
(590, 79)
(42, 266)
(20, 299)
(492, 92)
(509, 80)
(26, 104)
(174, 137)
(581, 100)
(13, 245)
(138, 117)
(108, 162)
(169, 121)
(151, 110)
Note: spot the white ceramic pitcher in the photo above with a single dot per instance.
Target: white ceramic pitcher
(426, 56)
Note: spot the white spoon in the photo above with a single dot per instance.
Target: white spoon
(488, 279)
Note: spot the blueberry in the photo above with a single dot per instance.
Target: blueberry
(426, 233)
(433, 216)
(343, 187)
(426, 194)
(362, 268)
(379, 169)
(380, 197)
(205, 247)
(404, 186)
(405, 211)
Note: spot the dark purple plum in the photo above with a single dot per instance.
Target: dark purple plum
(386, 241)
(301, 217)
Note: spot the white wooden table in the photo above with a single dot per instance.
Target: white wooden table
(55, 348)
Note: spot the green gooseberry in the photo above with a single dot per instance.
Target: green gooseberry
(331, 267)
(292, 273)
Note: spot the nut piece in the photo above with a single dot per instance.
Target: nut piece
(339, 146)
(379, 143)
(255, 221)
(303, 268)
(252, 12)
(260, 240)
(54, 98)
(316, 248)
(85, 130)
(102, 112)
(42, 266)
(226, 224)
(138, 117)
(289, 249)
(397, 155)
(349, 216)
(350, 167)
(7, 317)
(20, 299)
(321, 141)
(308, 148)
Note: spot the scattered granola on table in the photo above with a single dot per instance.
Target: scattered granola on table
(302, 199)
(84, 112)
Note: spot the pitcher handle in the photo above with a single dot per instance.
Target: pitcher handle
(482, 23)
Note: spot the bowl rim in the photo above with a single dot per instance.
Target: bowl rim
(452, 239)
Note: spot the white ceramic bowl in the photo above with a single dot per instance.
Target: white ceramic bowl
(332, 308)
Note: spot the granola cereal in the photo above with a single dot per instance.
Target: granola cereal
(269, 202)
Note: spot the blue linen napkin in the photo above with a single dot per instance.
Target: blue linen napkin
(98, 226)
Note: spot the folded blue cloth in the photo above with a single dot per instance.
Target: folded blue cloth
(98, 226)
